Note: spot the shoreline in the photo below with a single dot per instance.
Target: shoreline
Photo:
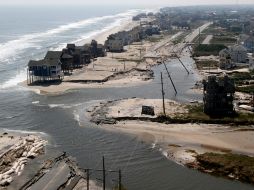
(179, 142)
(105, 72)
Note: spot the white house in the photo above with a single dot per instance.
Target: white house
(238, 54)
(225, 59)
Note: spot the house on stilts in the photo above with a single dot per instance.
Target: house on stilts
(47, 69)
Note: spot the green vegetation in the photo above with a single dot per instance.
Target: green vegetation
(247, 89)
(223, 40)
(195, 113)
(155, 38)
(199, 39)
(228, 165)
(208, 49)
(242, 81)
(240, 78)
(180, 38)
(204, 64)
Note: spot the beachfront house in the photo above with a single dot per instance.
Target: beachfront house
(218, 96)
(81, 55)
(97, 50)
(249, 44)
(47, 69)
(67, 62)
(114, 44)
(225, 59)
(150, 30)
(232, 55)
(238, 54)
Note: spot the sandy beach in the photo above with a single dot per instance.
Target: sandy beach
(179, 142)
(129, 68)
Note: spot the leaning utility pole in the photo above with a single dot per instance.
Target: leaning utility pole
(170, 78)
(162, 92)
(120, 180)
(183, 65)
(87, 179)
(181, 61)
(104, 173)
(199, 39)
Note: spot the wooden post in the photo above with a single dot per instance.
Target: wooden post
(120, 180)
(183, 65)
(87, 179)
(104, 173)
(162, 92)
(199, 39)
(170, 78)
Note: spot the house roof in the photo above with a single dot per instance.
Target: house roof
(100, 46)
(224, 51)
(53, 55)
(66, 56)
(32, 63)
(71, 46)
(237, 48)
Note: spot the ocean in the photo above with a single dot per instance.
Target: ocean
(27, 33)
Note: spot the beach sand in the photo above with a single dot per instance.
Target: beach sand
(179, 142)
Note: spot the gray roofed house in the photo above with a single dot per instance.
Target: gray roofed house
(249, 44)
(47, 69)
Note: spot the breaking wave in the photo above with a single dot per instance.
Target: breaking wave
(32, 46)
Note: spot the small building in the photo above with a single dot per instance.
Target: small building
(238, 54)
(218, 96)
(47, 69)
(114, 44)
(225, 59)
(67, 62)
(81, 54)
(97, 50)
(249, 44)
(148, 110)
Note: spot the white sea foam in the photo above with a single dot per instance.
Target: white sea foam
(13, 49)
(19, 77)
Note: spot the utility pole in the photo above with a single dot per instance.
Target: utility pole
(183, 65)
(170, 78)
(87, 179)
(162, 92)
(104, 173)
(199, 39)
(120, 180)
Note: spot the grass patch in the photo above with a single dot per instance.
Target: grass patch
(247, 89)
(204, 64)
(228, 165)
(154, 39)
(195, 113)
(223, 40)
(240, 78)
(208, 49)
(180, 38)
